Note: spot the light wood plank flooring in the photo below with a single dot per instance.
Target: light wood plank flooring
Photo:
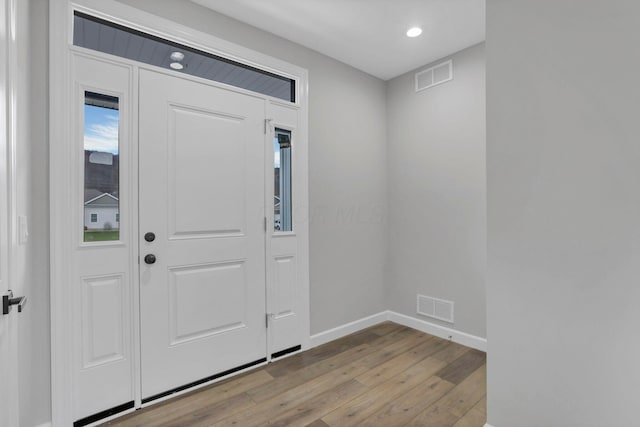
(384, 376)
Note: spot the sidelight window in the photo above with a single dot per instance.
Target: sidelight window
(101, 167)
(282, 173)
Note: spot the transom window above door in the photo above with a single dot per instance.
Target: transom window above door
(107, 37)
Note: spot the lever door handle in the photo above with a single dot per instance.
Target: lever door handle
(8, 301)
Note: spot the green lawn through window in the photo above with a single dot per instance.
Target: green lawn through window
(101, 235)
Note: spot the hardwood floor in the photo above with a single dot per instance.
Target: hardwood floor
(384, 376)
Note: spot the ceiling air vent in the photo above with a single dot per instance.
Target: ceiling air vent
(434, 307)
(435, 75)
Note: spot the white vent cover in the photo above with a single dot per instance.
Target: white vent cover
(435, 75)
(437, 308)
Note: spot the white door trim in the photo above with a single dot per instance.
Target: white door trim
(9, 390)
(60, 21)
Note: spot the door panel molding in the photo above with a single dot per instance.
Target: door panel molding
(63, 175)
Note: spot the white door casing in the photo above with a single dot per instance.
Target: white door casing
(121, 283)
(8, 326)
(202, 195)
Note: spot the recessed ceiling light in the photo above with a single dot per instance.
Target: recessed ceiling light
(177, 56)
(176, 66)
(414, 32)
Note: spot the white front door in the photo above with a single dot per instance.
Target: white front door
(201, 226)
(174, 290)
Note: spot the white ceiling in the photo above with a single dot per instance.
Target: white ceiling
(367, 34)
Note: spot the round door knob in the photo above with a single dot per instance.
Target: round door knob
(149, 237)
(150, 259)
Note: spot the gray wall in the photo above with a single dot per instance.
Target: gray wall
(563, 159)
(437, 192)
(32, 201)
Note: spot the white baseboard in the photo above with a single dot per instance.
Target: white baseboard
(488, 425)
(348, 328)
(45, 424)
(422, 325)
(439, 331)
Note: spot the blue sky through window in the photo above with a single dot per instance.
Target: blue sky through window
(101, 129)
(276, 153)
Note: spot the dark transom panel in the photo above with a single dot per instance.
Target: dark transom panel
(97, 34)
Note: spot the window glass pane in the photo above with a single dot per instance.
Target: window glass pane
(104, 36)
(282, 173)
(101, 168)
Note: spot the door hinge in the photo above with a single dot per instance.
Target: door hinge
(266, 125)
(265, 224)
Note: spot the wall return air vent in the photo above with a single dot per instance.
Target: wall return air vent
(437, 308)
(434, 76)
